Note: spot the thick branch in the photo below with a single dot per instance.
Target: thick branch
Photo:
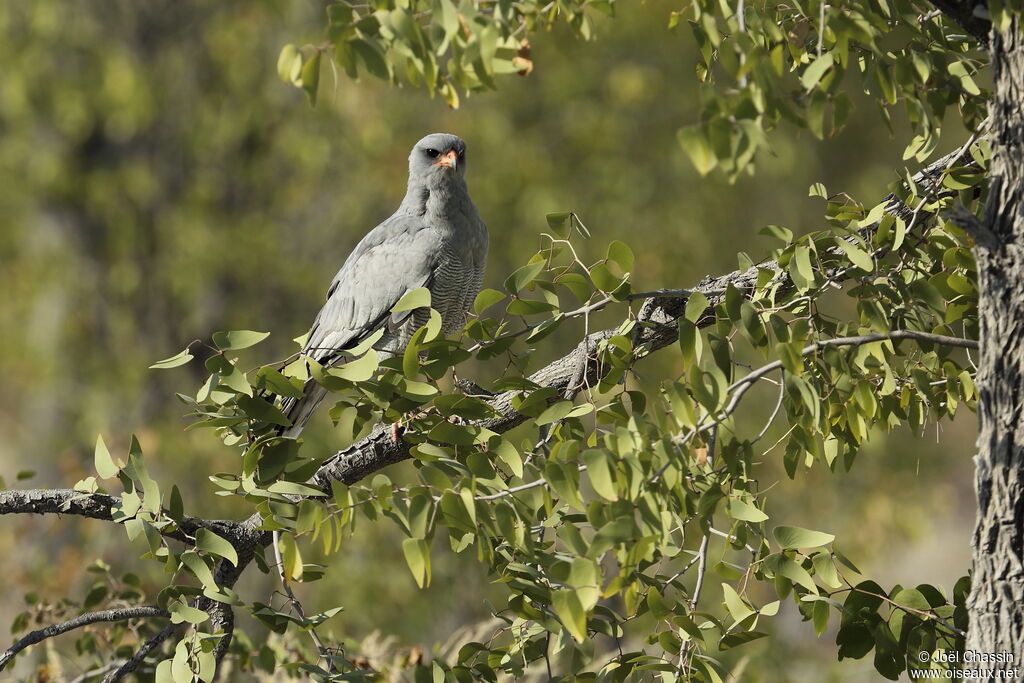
(657, 329)
(78, 622)
(97, 506)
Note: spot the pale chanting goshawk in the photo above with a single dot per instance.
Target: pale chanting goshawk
(435, 240)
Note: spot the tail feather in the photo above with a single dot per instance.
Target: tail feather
(299, 410)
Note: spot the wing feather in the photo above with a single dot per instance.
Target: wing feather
(399, 255)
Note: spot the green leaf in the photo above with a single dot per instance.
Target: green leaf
(510, 456)
(136, 470)
(270, 380)
(310, 77)
(570, 612)
(786, 566)
(259, 409)
(560, 223)
(795, 537)
(529, 307)
(358, 370)
(238, 339)
(373, 57)
(291, 488)
(737, 638)
(825, 569)
(411, 300)
(175, 507)
(958, 70)
(800, 267)
(290, 557)
(694, 142)
(180, 612)
(174, 361)
(696, 304)
(564, 479)
(621, 255)
(485, 299)
(813, 73)
(820, 613)
(553, 413)
(523, 276)
(744, 511)
(603, 278)
(417, 556)
(857, 256)
(778, 232)
(199, 568)
(289, 63)
(734, 603)
(691, 344)
(365, 345)
(106, 468)
(600, 474)
(455, 434)
(212, 543)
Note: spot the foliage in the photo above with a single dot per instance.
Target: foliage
(770, 62)
(607, 510)
(598, 517)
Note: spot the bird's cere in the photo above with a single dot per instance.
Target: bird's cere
(451, 160)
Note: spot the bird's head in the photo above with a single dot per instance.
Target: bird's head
(437, 157)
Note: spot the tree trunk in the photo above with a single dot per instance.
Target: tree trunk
(996, 605)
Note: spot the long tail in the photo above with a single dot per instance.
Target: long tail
(299, 410)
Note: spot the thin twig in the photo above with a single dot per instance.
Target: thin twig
(702, 562)
(740, 387)
(927, 615)
(81, 620)
(730, 538)
(523, 487)
(821, 26)
(296, 605)
(133, 663)
(775, 412)
(93, 673)
(582, 310)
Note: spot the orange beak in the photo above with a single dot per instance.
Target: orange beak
(451, 160)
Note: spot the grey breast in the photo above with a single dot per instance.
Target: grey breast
(456, 282)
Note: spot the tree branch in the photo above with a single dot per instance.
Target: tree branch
(98, 506)
(81, 620)
(132, 664)
(748, 380)
(657, 328)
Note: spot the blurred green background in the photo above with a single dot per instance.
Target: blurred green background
(160, 183)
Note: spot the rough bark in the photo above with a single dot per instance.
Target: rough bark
(996, 605)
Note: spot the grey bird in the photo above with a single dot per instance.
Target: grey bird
(435, 240)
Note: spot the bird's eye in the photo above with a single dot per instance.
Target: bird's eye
(432, 153)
